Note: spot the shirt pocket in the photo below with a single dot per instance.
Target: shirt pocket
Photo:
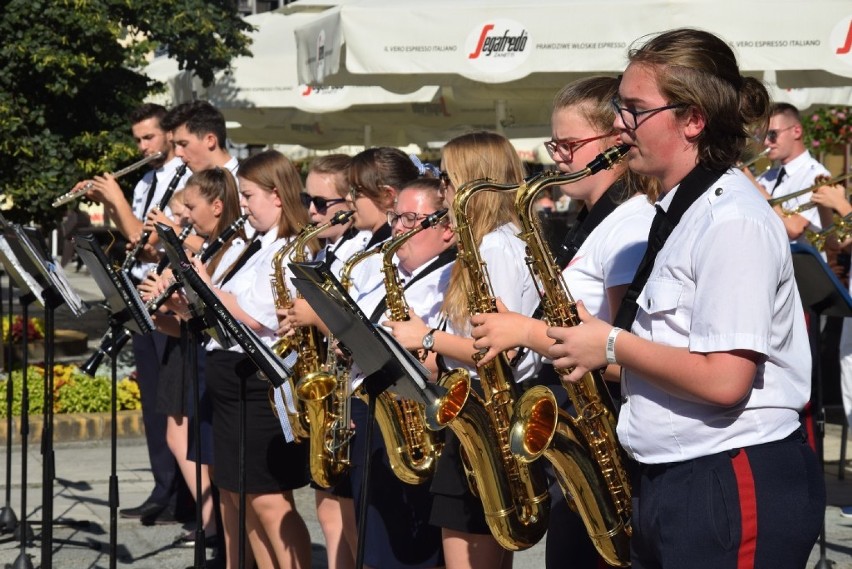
(660, 299)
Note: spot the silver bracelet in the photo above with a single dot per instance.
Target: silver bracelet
(610, 344)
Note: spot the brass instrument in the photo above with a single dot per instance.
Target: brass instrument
(413, 449)
(80, 192)
(304, 339)
(819, 181)
(583, 449)
(320, 392)
(753, 160)
(841, 229)
(133, 254)
(513, 493)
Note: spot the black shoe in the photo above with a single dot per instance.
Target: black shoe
(188, 540)
(160, 516)
(145, 508)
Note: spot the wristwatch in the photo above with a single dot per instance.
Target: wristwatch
(429, 339)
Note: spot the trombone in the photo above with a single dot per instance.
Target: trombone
(819, 182)
(80, 192)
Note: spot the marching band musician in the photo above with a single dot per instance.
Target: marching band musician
(270, 186)
(600, 257)
(398, 532)
(151, 136)
(326, 190)
(713, 381)
(466, 538)
(797, 170)
(212, 204)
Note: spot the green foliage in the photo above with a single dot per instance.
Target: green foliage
(70, 76)
(73, 392)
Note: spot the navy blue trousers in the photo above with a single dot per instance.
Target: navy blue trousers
(756, 507)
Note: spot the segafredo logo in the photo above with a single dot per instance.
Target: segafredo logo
(841, 40)
(498, 45)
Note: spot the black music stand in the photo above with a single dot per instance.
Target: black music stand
(384, 362)
(823, 295)
(31, 291)
(209, 312)
(29, 248)
(126, 311)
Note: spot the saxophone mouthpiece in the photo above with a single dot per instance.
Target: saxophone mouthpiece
(608, 158)
(433, 219)
(342, 217)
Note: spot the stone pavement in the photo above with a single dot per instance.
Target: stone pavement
(82, 515)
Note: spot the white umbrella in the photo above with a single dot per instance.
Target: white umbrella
(264, 102)
(402, 43)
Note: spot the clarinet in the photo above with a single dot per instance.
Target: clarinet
(130, 260)
(111, 343)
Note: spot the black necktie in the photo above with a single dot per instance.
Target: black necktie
(150, 197)
(781, 174)
(690, 189)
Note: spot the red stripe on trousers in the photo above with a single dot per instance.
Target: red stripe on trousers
(748, 510)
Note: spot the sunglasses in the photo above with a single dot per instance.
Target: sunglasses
(772, 134)
(321, 204)
(564, 148)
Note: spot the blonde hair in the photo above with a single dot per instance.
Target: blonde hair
(466, 158)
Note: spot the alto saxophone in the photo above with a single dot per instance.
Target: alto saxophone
(303, 340)
(413, 449)
(584, 452)
(513, 493)
(320, 392)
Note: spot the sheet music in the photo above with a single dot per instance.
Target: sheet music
(373, 348)
(23, 279)
(115, 286)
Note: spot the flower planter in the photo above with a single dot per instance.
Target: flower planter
(67, 343)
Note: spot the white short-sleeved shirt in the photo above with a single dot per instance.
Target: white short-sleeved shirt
(503, 253)
(344, 250)
(801, 172)
(252, 287)
(735, 247)
(164, 174)
(610, 255)
(425, 297)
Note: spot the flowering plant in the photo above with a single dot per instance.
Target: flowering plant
(828, 126)
(35, 329)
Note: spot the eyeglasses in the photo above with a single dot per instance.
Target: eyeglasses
(444, 176)
(630, 118)
(565, 148)
(321, 204)
(408, 219)
(772, 134)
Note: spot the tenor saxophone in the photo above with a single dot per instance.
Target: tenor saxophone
(413, 448)
(588, 461)
(320, 392)
(303, 340)
(513, 492)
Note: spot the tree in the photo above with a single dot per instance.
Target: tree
(73, 70)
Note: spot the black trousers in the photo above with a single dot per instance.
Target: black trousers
(148, 351)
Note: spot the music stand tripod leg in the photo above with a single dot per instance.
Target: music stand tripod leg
(8, 518)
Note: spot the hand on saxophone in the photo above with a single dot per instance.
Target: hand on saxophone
(409, 333)
(285, 325)
(500, 331)
(582, 347)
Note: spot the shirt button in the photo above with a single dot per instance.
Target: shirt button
(718, 191)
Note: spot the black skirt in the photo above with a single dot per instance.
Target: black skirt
(271, 463)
